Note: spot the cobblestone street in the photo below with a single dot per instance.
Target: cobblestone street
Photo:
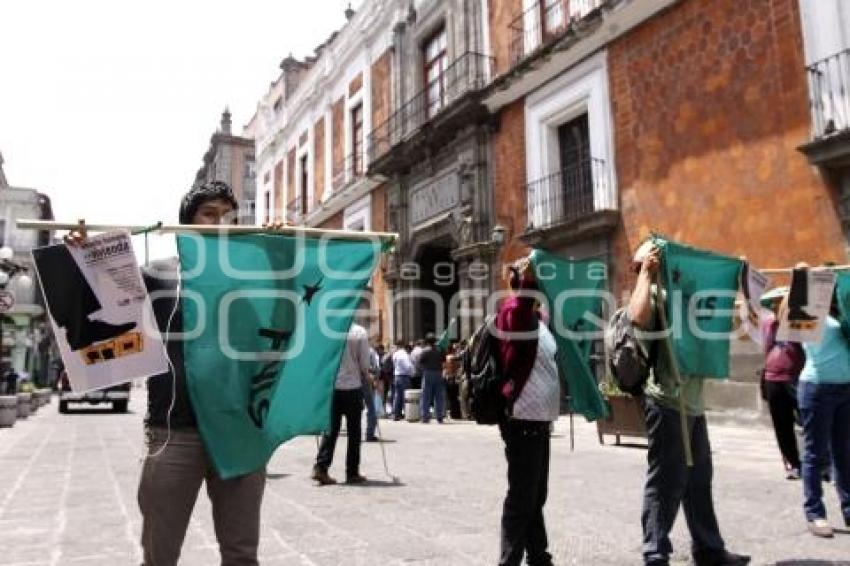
(68, 487)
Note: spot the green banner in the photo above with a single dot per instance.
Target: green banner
(700, 291)
(270, 314)
(574, 290)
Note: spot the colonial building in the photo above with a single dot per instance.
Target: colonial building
(24, 334)
(231, 159)
(618, 118)
(479, 129)
(311, 130)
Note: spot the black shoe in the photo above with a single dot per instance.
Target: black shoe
(371, 439)
(799, 315)
(355, 479)
(95, 331)
(321, 476)
(723, 558)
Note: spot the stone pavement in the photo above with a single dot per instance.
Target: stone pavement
(68, 496)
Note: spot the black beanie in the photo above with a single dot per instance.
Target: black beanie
(201, 194)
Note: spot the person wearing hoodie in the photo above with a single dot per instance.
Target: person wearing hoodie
(526, 352)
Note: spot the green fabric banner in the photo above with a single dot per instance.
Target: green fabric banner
(574, 291)
(700, 291)
(270, 314)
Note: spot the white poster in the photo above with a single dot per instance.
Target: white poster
(100, 312)
(807, 306)
(753, 285)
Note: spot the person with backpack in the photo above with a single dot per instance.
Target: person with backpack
(824, 398)
(670, 482)
(531, 394)
(782, 366)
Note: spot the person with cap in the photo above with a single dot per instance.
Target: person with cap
(177, 463)
(670, 482)
(429, 362)
(526, 355)
(782, 366)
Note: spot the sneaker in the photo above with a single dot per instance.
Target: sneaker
(723, 558)
(793, 474)
(820, 528)
(321, 476)
(356, 478)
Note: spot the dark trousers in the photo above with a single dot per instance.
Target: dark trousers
(523, 526)
(782, 400)
(670, 482)
(825, 411)
(348, 403)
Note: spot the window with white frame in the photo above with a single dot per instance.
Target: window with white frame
(358, 215)
(569, 145)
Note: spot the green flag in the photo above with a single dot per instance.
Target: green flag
(574, 290)
(700, 297)
(266, 317)
(449, 334)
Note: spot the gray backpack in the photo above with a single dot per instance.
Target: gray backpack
(628, 359)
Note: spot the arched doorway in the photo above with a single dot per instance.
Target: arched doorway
(439, 283)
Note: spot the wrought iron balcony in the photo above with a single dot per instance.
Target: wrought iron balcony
(572, 194)
(829, 89)
(468, 73)
(347, 171)
(545, 22)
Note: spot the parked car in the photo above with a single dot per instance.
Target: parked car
(117, 395)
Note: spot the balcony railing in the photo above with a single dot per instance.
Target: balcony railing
(829, 88)
(466, 74)
(350, 169)
(570, 194)
(545, 22)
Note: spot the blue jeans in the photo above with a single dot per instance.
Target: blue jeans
(400, 384)
(371, 414)
(433, 393)
(825, 412)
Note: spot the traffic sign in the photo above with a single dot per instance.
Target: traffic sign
(7, 301)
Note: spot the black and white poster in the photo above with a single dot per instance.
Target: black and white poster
(807, 306)
(100, 311)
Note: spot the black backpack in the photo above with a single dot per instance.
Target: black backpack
(628, 359)
(482, 366)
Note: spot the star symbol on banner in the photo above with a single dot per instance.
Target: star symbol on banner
(311, 290)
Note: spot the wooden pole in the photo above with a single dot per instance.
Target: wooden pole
(222, 229)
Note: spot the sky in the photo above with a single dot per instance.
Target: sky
(108, 106)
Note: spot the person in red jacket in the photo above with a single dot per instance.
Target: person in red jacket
(532, 393)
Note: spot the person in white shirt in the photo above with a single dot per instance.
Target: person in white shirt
(402, 372)
(347, 401)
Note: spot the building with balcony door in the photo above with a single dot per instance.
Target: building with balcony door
(311, 129)
(617, 118)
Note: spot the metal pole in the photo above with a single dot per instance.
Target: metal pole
(221, 229)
